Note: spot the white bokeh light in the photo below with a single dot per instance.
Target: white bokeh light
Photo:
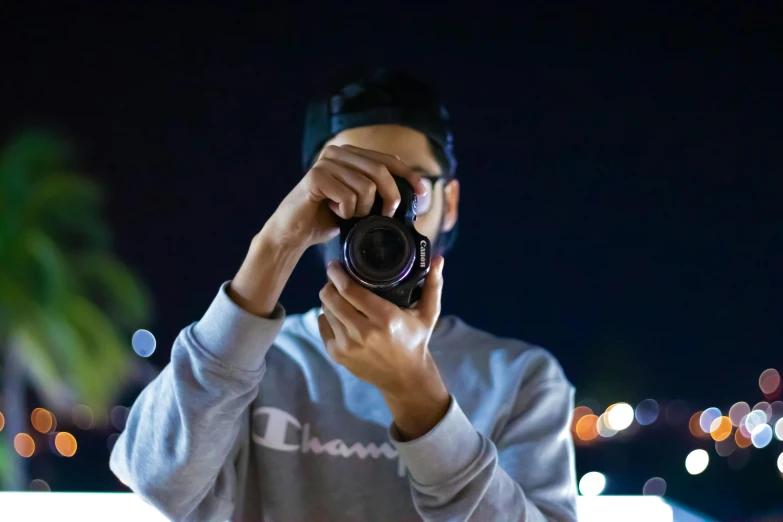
(780, 462)
(761, 436)
(697, 461)
(755, 419)
(592, 484)
(779, 429)
(620, 416)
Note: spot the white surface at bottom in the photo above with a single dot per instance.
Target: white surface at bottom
(127, 507)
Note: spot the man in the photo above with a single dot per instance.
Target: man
(360, 410)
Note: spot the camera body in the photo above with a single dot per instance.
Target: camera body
(386, 254)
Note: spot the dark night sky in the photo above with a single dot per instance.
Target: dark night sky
(621, 175)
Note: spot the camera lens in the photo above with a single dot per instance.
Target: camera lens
(379, 252)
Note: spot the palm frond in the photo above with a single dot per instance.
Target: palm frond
(44, 368)
(114, 287)
(47, 268)
(102, 344)
(5, 463)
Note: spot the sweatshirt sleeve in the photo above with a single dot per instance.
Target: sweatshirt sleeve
(179, 446)
(457, 474)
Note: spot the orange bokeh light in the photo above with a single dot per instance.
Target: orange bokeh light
(41, 420)
(741, 440)
(720, 429)
(24, 445)
(694, 425)
(579, 412)
(65, 444)
(586, 427)
(2, 422)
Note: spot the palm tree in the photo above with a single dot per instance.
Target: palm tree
(67, 305)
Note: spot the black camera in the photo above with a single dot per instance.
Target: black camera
(386, 254)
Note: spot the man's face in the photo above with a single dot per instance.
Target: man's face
(413, 149)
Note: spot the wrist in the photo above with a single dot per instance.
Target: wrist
(418, 409)
(273, 238)
(260, 280)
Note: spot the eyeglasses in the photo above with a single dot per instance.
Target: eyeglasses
(424, 203)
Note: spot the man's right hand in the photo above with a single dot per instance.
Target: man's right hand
(342, 184)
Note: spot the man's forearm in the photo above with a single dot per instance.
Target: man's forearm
(264, 273)
(420, 408)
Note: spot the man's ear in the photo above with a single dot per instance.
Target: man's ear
(450, 205)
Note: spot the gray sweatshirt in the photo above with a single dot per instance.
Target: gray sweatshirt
(252, 421)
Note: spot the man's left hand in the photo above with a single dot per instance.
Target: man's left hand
(387, 346)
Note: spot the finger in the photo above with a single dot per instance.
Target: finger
(429, 302)
(395, 166)
(327, 334)
(362, 186)
(375, 308)
(323, 185)
(377, 171)
(330, 343)
(340, 333)
(355, 323)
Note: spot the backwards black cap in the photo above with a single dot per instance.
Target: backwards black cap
(383, 97)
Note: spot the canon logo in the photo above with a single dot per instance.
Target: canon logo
(422, 253)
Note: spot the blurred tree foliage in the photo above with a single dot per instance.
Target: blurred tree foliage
(67, 305)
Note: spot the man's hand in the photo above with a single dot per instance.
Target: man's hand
(342, 184)
(387, 346)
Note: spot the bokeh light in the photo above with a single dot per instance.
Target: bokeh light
(742, 440)
(101, 420)
(39, 485)
(50, 439)
(694, 425)
(761, 436)
(780, 462)
(655, 486)
(779, 429)
(738, 411)
(592, 484)
(143, 342)
(65, 444)
(24, 445)
(2, 421)
(707, 416)
(586, 427)
(769, 382)
(777, 410)
(579, 412)
(726, 447)
(119, 416)
(41, 420)
(619, 416)
(82, 417)
(112, 441)
(752, 421)
(764, 406)
(647, 412)
(720, 429)
(604, 430)
(697, 461)
(677, 412)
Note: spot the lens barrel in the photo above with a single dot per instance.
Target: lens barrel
(379, 252)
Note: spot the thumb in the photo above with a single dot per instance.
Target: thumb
(429, 303)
